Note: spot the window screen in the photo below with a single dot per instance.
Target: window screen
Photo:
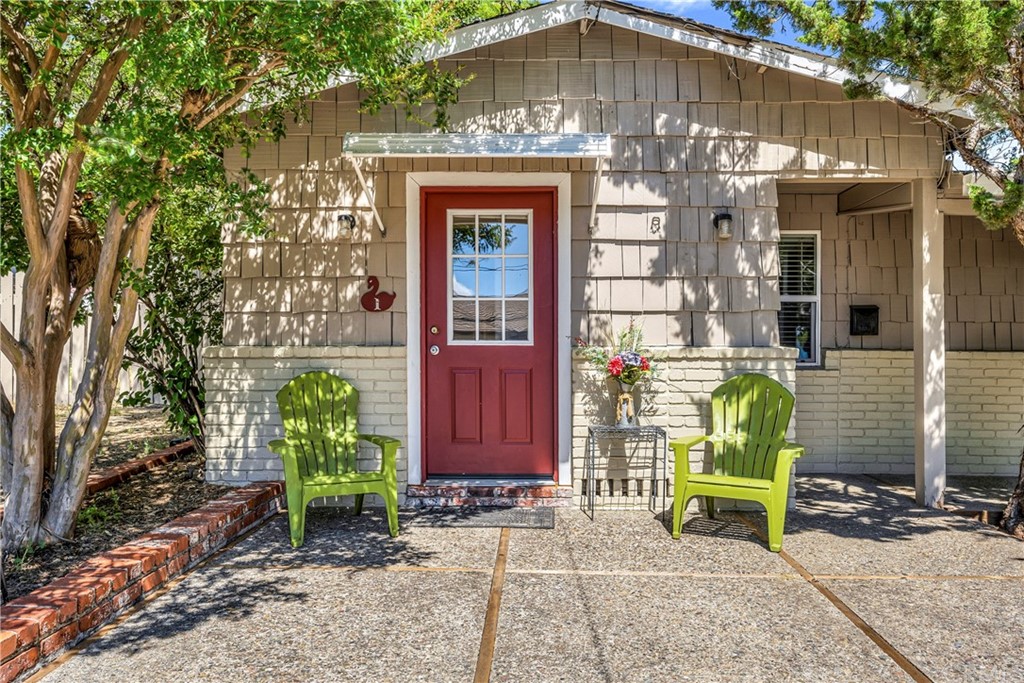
(800, 296)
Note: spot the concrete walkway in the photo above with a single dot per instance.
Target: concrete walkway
(869, 588)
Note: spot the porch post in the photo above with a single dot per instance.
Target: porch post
(929, 346)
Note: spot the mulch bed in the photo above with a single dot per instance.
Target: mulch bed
(117, 515)
(131, 433)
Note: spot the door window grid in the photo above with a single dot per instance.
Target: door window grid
(800, 295)
(492, 301)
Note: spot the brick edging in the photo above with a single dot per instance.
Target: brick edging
(36, 628)
(104, 479)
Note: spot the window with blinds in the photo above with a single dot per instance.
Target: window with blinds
(799, 314)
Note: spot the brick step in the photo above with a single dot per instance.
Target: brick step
(426, 495)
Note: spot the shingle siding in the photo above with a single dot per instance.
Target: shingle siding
(869, 260)
(693, 134)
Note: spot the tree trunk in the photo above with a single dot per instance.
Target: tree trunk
(1017, 225)
(37, 460)
(6, 466)
(58, 331)
(1013, 516)
(80, 438)
(6, 451)
(28, 428)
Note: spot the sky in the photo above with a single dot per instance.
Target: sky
(704, 12)
(698, 10)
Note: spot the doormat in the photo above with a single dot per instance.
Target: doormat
(476, 517)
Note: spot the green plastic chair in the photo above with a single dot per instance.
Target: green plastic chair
(319, 451)
(750, 415)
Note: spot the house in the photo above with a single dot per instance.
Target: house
(593, 156)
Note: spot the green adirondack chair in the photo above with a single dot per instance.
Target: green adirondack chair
(319, 451)
(750, 414)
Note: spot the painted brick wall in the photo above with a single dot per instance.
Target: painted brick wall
(869, 260)
(856, 414)
(241, 411)
(692, 134)
(678, 401)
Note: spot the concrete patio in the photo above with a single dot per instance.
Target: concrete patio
(869, 588)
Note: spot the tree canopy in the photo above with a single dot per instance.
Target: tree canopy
(970, 51)
(110, 110)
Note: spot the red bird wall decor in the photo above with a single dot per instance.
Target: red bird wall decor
(374, 301)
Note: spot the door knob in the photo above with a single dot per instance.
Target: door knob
(434, 350)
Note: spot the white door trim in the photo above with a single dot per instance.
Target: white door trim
(563, 347)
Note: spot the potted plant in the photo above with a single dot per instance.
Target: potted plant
(628, 362)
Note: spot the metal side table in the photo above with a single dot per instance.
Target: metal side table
(651, 434)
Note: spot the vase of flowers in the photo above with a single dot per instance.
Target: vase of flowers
(627, 362)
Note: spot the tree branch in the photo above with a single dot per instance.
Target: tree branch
(38, 92)
(30, 218)
(15, 352)
(241, 88)
(1015, 57)
(106, 270)
(74, 73)
(965, 140)
(1009, 112)
(15, 95)
(128, 235)
(20, 43)
(97, 99)
(76, 303)
(58, 223)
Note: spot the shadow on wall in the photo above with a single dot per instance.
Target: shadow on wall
(654, 254)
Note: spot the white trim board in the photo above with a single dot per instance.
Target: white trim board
(543, 17)
(802, 64)
(414, 346)
(474, 145)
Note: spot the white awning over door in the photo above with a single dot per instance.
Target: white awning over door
(552, 145)
(597, 146)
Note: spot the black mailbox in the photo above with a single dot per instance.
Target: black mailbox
(863, 321)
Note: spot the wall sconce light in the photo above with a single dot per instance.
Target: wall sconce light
(347, 220)
(723, 225)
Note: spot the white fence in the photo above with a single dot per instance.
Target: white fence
(72, 364)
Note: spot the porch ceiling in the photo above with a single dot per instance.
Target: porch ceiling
(817, 187)
(874, 196)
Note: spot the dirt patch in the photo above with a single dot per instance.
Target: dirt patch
(115, 516)
(131, 433)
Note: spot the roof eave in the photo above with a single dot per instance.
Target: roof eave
(543, 17)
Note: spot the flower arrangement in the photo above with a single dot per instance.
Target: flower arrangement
(628, 361)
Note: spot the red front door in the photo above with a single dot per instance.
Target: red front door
(489, 332)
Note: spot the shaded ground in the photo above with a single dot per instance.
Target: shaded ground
(613, 599)
(131, 433)
(962, 492)
(115, 516)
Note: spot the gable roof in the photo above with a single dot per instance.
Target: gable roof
(675, 29)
